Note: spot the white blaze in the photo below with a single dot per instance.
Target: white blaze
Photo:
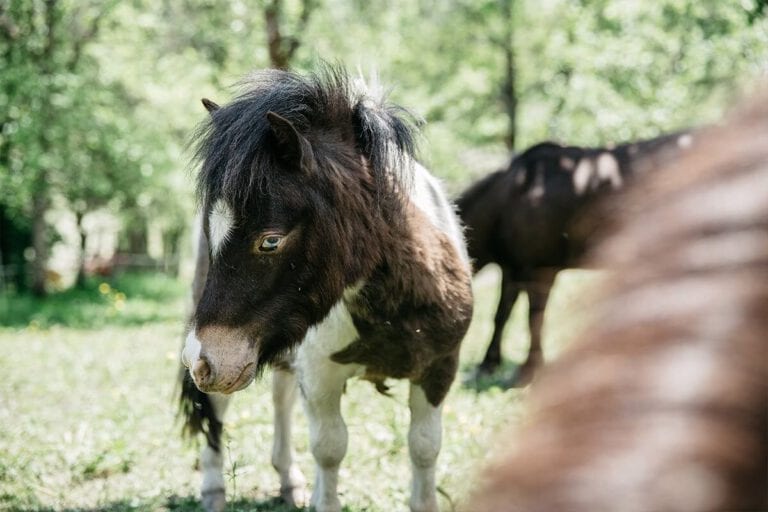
(191, 352)
(220, 224)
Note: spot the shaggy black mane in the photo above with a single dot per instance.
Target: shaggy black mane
(235, 145)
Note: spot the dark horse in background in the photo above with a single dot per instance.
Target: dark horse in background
(532, 219)
(327, 251)
(662, 403)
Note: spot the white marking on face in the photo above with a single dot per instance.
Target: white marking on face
(191, 352)
(220, 224)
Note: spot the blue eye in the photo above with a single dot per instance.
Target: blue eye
(270, 243)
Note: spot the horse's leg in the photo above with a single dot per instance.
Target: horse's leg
(424, 438)
(212, 462)
(538, 294)
(292, 481)
(322, 383)
(509, 292)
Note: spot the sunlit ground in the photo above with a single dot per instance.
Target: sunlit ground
(87, 410)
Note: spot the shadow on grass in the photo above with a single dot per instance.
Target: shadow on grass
(192, 503)
(503, 378)
(173, 503)
(124, 300)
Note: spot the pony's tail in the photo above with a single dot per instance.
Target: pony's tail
(197, 412)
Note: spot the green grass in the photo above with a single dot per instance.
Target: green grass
(87, 408)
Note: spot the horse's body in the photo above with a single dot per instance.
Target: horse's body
(325, 240)
(663, 403)
(533, 220)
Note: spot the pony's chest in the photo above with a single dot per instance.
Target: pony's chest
(365, 346)
(335, 333)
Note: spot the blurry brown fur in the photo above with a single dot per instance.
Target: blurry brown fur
(662, 405)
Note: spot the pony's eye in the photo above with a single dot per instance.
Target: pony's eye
(269, 243)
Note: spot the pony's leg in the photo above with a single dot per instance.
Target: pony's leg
(322, 385)
(538, 294)
(292, 481)
(424, 439)
(509, 292)
(212, 463)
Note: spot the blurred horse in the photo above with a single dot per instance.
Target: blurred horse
(533, 220)
(324, 238)
(662, 405)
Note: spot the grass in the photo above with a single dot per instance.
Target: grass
(87, 408)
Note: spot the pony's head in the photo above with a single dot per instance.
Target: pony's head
(298, 176)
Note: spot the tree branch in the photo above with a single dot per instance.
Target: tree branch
(88, 35)
(9, 29)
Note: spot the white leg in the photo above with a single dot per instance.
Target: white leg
(424, 438)
(292, 481)
(212, 463)
(322, 386)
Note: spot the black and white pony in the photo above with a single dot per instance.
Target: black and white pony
(326, 249)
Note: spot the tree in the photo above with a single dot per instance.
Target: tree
(282, 47)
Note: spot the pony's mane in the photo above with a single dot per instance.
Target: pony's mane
(235, 144)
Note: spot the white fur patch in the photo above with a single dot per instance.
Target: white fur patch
(220, 224)
(685, 141)
(322, 381)
(333, 334)
(429, 196)
(191, 351)
(608, 170)
(583, 174)
(424, 440)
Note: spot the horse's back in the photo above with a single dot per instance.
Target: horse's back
(429, 196)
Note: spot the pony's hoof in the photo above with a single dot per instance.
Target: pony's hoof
(480, 372)
(295, 496)
(294, 493)
(486, 368)
(325, 504)
(522, 377)
(214, 500)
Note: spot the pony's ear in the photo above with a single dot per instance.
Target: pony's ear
(210, 106)
(294, 147)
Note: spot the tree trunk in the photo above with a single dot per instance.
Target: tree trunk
(281, 47)
(80, 279)
(39, 241)
(277, 55)
(508, 88)
(40, 200)
(137, 241)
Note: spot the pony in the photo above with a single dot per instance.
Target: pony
(327, 252)
(663, 403)
(533, 220)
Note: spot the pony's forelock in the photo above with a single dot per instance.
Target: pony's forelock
(233, 144)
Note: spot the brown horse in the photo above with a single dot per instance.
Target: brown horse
(533, 220)
(322, 239)
(663, 404)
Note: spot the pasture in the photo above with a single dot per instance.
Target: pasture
(87, 407)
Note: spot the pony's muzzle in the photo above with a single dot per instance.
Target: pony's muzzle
(219, 360)
(201, 373)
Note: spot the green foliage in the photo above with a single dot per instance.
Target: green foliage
(127, 299)
(96, 113)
